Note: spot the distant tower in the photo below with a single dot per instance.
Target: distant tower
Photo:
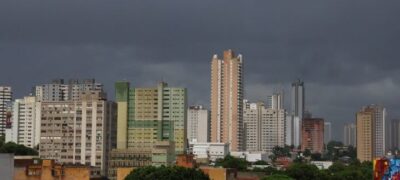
(297, 111)
(349, 134)
(275, 101)
(327, 132)
(227, 100)
(312, 134)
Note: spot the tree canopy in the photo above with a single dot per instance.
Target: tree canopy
(17, 149)
(278, 151)
(232, 162)
(166, 173)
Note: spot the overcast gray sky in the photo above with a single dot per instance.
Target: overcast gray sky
(347, 52)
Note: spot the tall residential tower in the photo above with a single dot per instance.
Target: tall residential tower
(227, 100)
(297, 113)
(5, 101)
(370, 132)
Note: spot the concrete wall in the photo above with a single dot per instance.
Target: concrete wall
(6, 166)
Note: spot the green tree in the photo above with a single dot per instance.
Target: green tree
(307, 153)
(302, 171)
(2, 139)
(17, 149)
(316, 157)
(277, 177)
(232, 162)
(167, 173)
(260, 162)
(278, 152)
(337, 167)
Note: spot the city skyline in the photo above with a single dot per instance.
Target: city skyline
(351, 63)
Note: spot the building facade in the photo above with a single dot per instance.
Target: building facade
(227, 100)
(395, 134)
(297, 112)
(312, 135)
(327, 132)
(78, 132)
(264, 128)
(349, 134)
(208, 151)
(59, 90)
(149, 115)
(275, 101)
(5, 102)
(198, 124)
(25, 122)
(370, 123)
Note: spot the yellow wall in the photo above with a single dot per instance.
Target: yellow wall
(122, 125)
(215, 173)
(123, 172)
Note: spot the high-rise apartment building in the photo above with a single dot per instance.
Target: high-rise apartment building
(227, 100)
(79, 132)
(149, 115)
(312, 134)
(198, 124)
(264, 128)
(371, 132)
(275, 101)
(297, 112)
(25, 124)
(5, 102)
(58, 90)
(395, 134)
(349, 134)
(327, 132)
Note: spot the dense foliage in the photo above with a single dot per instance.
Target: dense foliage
(278, 152)
(17, 149)
(232, 162)
(338, 171)
(277, 177)
(166, 173)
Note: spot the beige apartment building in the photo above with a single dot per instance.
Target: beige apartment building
(79, 132)
(264, 127)
(370, 124)
(226, 100)
(364, 135)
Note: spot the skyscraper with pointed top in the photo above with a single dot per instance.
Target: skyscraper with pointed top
(226, 100)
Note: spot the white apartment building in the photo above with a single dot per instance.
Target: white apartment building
(25, 124)
(349, 134)
(198, 124)
(327, 132)
(264, 128)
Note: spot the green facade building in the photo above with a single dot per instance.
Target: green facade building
(150, 115)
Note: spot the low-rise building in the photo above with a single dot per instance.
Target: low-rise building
(210, 151)
(127, 158)
(50, 170)
(185, 160)
(162, 153)
(251, 156)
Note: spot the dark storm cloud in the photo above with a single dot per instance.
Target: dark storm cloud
(346, 51)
